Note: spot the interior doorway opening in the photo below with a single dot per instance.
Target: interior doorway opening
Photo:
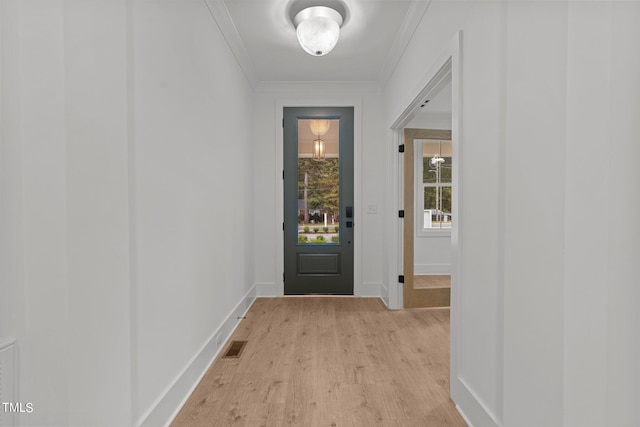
(428, 189)
(428, 219)
(445, 68)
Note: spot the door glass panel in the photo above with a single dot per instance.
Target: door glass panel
(318, 182)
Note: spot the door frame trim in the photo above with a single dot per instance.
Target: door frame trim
(356, 102)
(448, 62)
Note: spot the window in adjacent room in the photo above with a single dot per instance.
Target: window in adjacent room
(433, 196)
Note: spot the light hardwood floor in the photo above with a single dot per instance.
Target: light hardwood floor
(432, 281)
(317, 361)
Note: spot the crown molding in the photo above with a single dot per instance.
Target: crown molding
(222, 18)
(314, 86)
(412, 19)
(220, 14)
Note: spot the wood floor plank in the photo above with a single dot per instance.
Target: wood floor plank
(318, 361)
(431, 281)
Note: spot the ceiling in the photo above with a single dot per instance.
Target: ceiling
(440, 102)
(439, 106)
(263, 39)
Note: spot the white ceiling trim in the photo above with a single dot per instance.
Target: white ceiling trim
(412, 19)
(327, 86)
(220, 14)
(435, 84)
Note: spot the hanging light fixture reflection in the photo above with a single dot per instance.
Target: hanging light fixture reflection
(318, 150)
(319, 128)
(318, 29)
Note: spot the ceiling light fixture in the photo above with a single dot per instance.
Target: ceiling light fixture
(318, 29)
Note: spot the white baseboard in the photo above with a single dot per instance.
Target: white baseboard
(171, 401)
(268, 290)
(431, 269)
(470, 407)
(384, 294)
(463, 415)
(368, 290)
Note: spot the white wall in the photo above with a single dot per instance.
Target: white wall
(479, 339)
(370, 173)
(33, 200)
(97, 216)
(534, 213)
(547, 333)
(193, 184)
(64, 195)
(602, 274)
(126, 194)
(432, 255)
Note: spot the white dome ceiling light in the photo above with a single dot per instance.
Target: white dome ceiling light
(318, 29)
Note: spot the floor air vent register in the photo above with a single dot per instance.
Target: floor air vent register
(235, 350)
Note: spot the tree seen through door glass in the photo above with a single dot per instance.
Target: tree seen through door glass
(318, 182)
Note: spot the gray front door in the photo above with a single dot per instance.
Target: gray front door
(318, 200)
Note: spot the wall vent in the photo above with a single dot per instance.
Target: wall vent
(7, 380)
